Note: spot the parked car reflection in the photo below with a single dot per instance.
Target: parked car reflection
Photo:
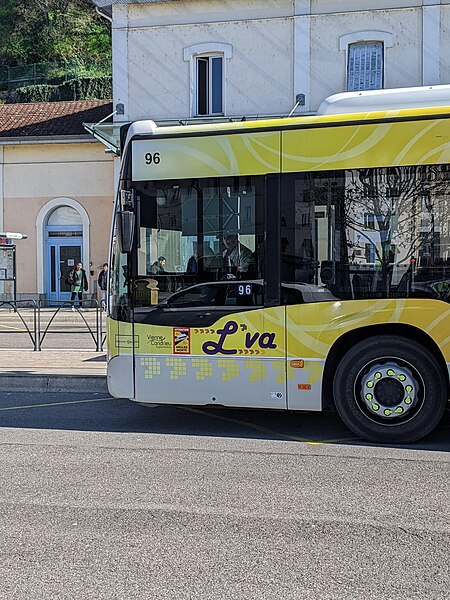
(202, 304)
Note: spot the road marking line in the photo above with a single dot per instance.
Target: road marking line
(57, 403)
(16, 328)
(354, 439)
(262, 429)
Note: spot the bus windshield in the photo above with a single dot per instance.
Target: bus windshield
(196, 231)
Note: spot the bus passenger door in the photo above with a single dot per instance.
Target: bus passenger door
(212, 343)
(309, 234)
(274, 314)
(122, 342)
(214, 332)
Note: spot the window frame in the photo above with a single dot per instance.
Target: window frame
(210, 85)
(365, 37)
(196, 53)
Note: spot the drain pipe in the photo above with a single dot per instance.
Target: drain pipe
(102, 14)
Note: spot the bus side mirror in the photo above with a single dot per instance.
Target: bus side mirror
(125, 230)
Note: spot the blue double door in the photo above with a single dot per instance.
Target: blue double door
(62, 255)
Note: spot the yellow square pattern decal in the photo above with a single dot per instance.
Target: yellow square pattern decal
(315, 369)
(152, 367)
(280, 366)
(179, 367)
(230, 369)
(204, 368)
(259, 370)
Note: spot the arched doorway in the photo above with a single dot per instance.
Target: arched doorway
(63, 249)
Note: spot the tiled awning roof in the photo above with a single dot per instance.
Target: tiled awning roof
(51, 119)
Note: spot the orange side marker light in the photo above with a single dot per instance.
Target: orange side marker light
(297, 364)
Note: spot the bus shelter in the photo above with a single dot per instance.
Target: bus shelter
(8, 278)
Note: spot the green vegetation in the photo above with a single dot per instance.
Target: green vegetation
(83, 88)
(48, 43)
(53, 31)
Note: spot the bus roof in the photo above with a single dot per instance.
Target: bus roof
(350, 107)
(392, 99)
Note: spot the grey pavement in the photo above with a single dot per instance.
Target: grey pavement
(61, 313)
(52, 371)
(105, 498)
(68, 361)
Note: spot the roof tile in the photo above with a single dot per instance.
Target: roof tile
(51, 118)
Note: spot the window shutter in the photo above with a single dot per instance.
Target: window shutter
(365, 66)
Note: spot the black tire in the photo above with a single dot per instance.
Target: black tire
(389, 389)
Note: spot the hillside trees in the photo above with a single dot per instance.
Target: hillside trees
(53, 31)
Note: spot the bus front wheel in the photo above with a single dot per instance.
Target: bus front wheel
(389, 389)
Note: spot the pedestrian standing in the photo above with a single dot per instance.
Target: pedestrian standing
(103, 283)
(78, 283)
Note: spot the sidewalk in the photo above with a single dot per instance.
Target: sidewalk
(52, 371)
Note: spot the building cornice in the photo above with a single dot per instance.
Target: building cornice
(47, 139)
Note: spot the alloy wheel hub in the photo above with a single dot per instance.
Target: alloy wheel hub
(389, 390)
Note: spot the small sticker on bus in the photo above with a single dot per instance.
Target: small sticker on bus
(126, 341)
(181, 340)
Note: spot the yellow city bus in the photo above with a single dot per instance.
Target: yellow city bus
(297, 264)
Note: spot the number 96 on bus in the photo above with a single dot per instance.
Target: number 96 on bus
(152, 158)
(244, 289)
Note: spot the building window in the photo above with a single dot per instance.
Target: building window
(209, 88)
(365, 66)
(369, 221)
(366, 60)
(65, 215)
(208, 77)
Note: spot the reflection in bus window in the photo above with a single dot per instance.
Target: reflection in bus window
(207, 230)
(368, 233)
(118, 287)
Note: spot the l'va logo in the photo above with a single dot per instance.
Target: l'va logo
(263, 340)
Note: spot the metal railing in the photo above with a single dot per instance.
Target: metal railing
(34, 336)
(37, 73)
(97, 336)
(50, 73)
(39, 328)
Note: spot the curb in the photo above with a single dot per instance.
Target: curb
(53, 383)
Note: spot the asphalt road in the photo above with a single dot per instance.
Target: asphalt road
(103, 498)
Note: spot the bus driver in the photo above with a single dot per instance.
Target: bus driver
(236, 255)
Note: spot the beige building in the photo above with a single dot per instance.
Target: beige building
(179, 59)
(56, 187)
